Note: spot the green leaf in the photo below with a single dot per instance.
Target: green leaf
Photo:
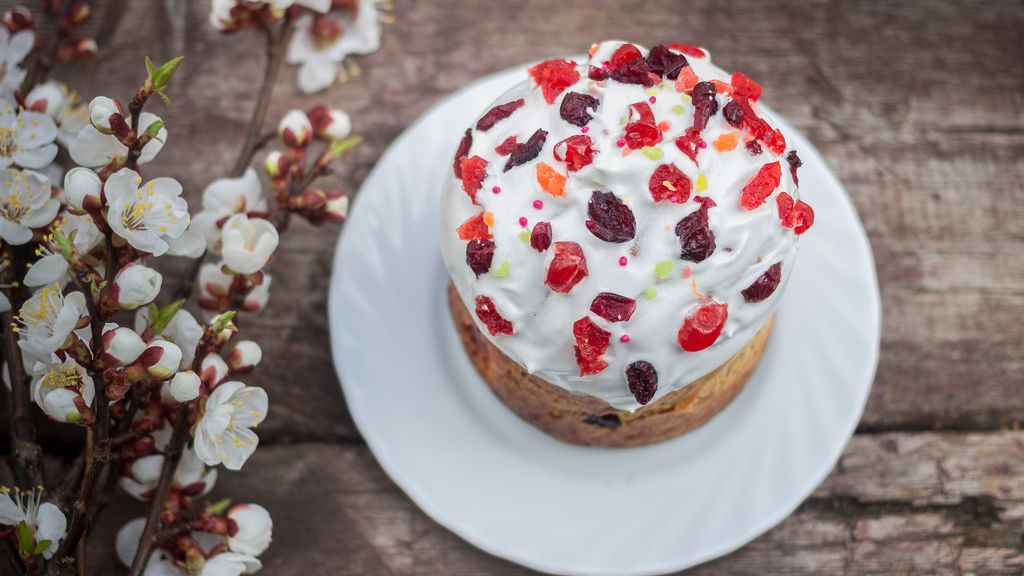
(153, 129)
(63, 244)
(163, 316)
(167, 101)
(222, 322)
(41, 547)
(26, 540)
(150, 67)
(340, 147)
(219, 507)
(162, 75)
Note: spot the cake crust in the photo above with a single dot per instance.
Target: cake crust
(587, 420)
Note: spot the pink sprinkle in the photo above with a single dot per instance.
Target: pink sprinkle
(538, 204)
(585, 129)
(621, 142)
(523, 221)
(496, 189)
(653, 99)
(623, 261)
(625, 338)
(703, 144)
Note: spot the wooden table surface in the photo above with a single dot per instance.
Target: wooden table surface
(918, 107)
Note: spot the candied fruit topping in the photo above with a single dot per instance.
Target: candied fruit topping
(504, 270)
(642, 379)
(704, 107)
(576, 151)
(476, 227)
(550, 180)
(499, 112)
(479, 253)
(613, 307)
(692, 51)
(687, 80)
(461, 152)
(800, 218)
(554, 76)
(596, 73)
(794, 162)
(669, 183)
(574, 108)
(665, 62)
(696, 239)
(507, 147)
(567, 268)
(754, 147)
(785, 203)
(474, 170)
(540, 238)
(591, 343)
(760, 129)
(610, 219)
(487, 312)
(744, 87)
(702, 327)
(733, 113)
(727, 141)
(527, 151)
(628, 66)
(757, 190)
(765, 284)
(641, 129)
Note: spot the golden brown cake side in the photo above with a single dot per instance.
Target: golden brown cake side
(583, 419)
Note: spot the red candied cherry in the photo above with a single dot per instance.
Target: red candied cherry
(462, 152)
(554, 76)
(567, 268)
(642, 379)
(628, 66)
(474, 170)
(487, 312)
(591, 343)
(479, 254)
(758, 188)
(785, 203)
(576, 151)
(703, 326)
(610, 219)
(498, 113)
(476, 227)
(540, 238)
(669, 183)
(761, 130)
(574, 108)
(688, 50)
(527, 151)
(744, 87)
(641, 129)
(765, 284)
(613, 307)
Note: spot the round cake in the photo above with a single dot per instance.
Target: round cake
(618, 234)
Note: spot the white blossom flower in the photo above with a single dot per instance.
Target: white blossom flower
(245, 356)
(191, 244)
(26, 137)
(225, 197)
(191, 476)
(136, 285)
(47, 319)
(63, 389)
(225, 14)
(320, 45)
(183, 330)
(220, 564)
(26, 202)
(46, 98)
(44, 520)
(147, 217)
(255, 529)
(82, 188)
(295, 129)
(247, 243)
(13, 49)
(94, 149)
(120, 346)
(330, 123)
(214, 285)
(224, 434)
(52, 268)
(185, 386)
(161, 359)
(71, 118)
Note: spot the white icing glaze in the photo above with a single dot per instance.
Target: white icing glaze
(748, 242)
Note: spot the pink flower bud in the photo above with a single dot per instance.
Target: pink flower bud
(161, 359)
(46, 98)
(82, 189)
(337, 206)
(214, 370)
(254, 529)
(77, 13)
(330, 123)
(83, 49)
(295, 129)
(275, 164)
(17, 19)
(185, 386)
(107, 115)
(121, 346)
(245, 356)
(136, 285)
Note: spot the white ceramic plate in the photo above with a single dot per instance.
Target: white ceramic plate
(513, 491)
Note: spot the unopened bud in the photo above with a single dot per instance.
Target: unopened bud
(107, 115)
(185, 386)
(45, 98)
(161, 359)
(121, 346)
(330, 123)
(214, 370)
(136, 285)
(17, 19)
(245, 356)
(295, 129)
(82, 189)
(275, 164)
(336, 208)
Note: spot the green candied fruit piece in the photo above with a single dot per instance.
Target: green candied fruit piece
(651, 293)
(663, 269)
(679, 109)
(525, 236)
(504, 270)
(652, 152)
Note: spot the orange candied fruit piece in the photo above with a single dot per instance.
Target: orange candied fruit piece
(727, 141)
(550, 180)
(477, 227)
(723, 87)
(686, 80)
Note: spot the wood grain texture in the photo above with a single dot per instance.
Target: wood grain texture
(918, 107)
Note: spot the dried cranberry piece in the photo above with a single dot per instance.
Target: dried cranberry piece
(761, 186)
(475, 227)
(474, 170)
(629, 67)
(479, 254)
(765, 284)
(704, 105)
(669, 183)
(527, 151)
(499, 112)
(690, 144)
(610, 219)
(613, 307)
(794, 162)
(574, 108)
(785, 204)
(643, 380)
(800, 218)
(688, 50)
(754, 147)
(696, 239)
(567, 268)
(703, 326)
(576, 151)
(508, 146)
(554, 76)
(461, 152)
(595, 73)
(744, 87)
(540, 238)
(641, 129)
(591, 344)
(761, 130)
(487, 312)
(665, 62)
(733, 113)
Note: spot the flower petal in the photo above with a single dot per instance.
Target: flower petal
(21, 44)
(93, 149)
(35, 129)
(47, 270)
(50, 525)
(35, 157)
(316, 74)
